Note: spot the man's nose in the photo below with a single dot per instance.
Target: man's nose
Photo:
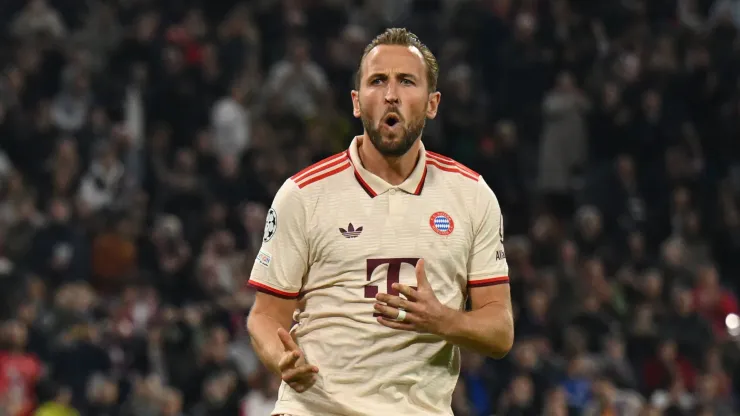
(391, 95)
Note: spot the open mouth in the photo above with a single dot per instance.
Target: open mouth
(391, 120)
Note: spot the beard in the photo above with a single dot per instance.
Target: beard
(392, 146)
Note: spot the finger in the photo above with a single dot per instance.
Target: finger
(402, 326)
(299, 373)
(408, 291)
(387, 311)
(287, 340)
(294, 376)
(289, 360)
(296, 386)
(303, 385)
(396, 302)
(391, 313)
(421, 274)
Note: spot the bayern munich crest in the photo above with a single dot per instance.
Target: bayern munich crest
(441, 223)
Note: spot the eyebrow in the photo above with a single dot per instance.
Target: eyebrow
(383, 75)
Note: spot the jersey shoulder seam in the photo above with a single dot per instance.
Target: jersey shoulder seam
(448, 165)
(321, 170)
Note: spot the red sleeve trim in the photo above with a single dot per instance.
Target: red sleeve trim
(489, 282)
(272, 291)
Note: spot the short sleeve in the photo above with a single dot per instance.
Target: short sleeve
(487, 262)
(283, 258)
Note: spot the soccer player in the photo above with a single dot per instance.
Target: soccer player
(373, 253)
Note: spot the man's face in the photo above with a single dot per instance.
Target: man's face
(393, 100)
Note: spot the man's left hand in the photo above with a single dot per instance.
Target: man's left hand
(424, 312)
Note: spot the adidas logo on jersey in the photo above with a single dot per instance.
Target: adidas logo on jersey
(351, 232)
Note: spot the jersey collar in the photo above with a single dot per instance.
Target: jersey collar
(375, 186)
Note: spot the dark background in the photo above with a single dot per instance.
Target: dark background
(142, 140)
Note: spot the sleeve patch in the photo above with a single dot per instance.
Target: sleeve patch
(264, 258)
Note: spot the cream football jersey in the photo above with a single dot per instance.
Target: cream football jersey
(335, 236)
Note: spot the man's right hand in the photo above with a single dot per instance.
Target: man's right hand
(294, 370)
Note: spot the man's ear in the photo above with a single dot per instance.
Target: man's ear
(355, 103)
(433, 104)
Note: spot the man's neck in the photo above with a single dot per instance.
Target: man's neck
(393, 170)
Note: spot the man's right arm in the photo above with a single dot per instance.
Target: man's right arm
(278, 273)
(268, 314)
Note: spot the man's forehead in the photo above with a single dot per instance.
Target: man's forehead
(394, 58)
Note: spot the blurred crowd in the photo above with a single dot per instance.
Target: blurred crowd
(141, 142)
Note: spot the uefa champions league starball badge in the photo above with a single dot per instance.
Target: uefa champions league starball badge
(270, 225)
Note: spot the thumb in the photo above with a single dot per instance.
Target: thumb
(287, 340)
(421, 274)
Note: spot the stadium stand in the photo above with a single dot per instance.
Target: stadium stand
(141, 142)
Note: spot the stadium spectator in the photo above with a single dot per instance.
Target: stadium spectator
(142, 142)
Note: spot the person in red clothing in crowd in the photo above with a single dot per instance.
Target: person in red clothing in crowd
(189, 37)
(712, 301)
(660, 371)
(19, 371)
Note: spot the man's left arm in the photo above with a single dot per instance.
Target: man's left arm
(488, 327)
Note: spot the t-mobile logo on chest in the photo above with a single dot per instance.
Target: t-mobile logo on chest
(392, 276)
